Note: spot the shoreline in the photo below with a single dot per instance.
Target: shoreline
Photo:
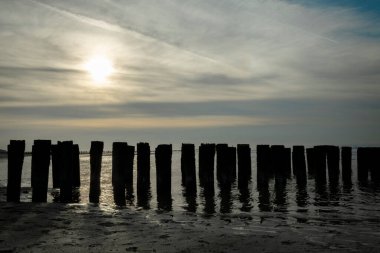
(54, 227)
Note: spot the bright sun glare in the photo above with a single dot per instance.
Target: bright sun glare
(100, 68)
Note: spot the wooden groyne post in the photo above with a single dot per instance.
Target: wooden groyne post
(222, 162)
(119, 165)
(96, 153)
(310, 162)
(244, 165)
(206, 165)
(76, 166)
(163, 156)
(66, 183)
(16, 150)
(129, 171)
(188, 167)
(333, 159)
(56, 165)
(143, 169)
(40, 169)
(231, 164)
(319, 159)
(299, 165)
(346, 154)
(263, 154)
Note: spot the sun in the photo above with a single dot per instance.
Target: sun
(100, 68)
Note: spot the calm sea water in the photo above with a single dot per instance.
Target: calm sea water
(353, 202)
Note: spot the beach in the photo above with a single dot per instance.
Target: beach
(54, 227)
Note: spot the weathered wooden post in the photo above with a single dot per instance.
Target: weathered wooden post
(346, 153)
(231, 153)
(188, 167)
(16, 150)
(374, 161)
(143, 167)
(244, 165)
(263, 154)
(310, 162)
(319, 158)
(222, 161)
(66, 183)
(206, 165)
(119, 165)
(40, 169)
(129, 171)
(56, 165)
(299, 165)
(76, 166)
(363, 165)
(333, 164)
(96, 153)
(288, 161)
(163, 156)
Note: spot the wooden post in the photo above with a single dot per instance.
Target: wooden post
(244, 165)
(319, 158)
(129, 171)
(279, 162)
(375, 165)
(66, 182)
(222, 161)
(56, 165)
(299, 165)
(206, 165)
(96, 152)
(16, 151)
(119, 165)
(143, 175)
(76, 166)
(263, 153)
(333, 164)
(288, 161)
(40, 170)
(231, 153)
(363, 165)
(310, 161)
(188, 167)
(346, 153)
(163, 156)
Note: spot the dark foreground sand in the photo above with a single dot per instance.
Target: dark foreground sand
(28, 227)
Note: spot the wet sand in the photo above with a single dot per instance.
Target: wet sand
(54, 227)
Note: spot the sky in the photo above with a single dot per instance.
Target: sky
(235, 71)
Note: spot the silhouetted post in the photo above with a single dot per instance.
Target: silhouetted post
(188, 167)
(16, 151)
(375, 165)
(163, 156)
(288, 161)
(143, 166)
(66, 182)
(319, 158)
(299, 164)
(333, 164)
(76, 168)
(40, 169)
(346, 153)
(56, 165)
(363, 165)
(119, 165)
(279, 161)
(310, 161)
(244, 165)
(222, 162)
(206, 165)
(129, 171)
(231, 152)
(96, 153)
(263, 154)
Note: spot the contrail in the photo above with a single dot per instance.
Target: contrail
(119, 29)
